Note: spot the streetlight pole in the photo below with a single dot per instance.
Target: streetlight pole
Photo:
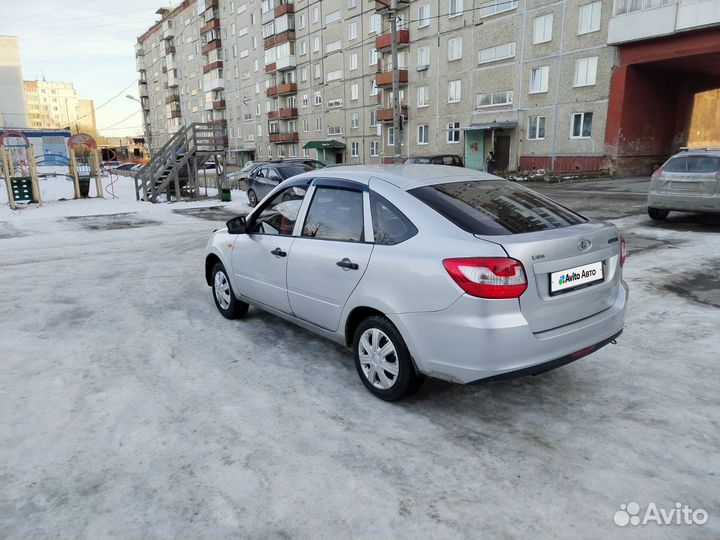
(397, 110)
(147, 128)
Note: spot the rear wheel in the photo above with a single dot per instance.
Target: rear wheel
(658, 213)
(229, 306)
(383, 361)
(252, 198)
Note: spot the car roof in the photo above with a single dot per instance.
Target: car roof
(403, 176)
(433, 156)
(714, 152)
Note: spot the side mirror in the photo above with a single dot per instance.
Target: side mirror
(237, 225)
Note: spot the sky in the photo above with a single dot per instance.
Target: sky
(90, 43)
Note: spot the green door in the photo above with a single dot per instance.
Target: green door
(475, 149)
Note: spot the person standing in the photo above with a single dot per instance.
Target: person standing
(490, 162)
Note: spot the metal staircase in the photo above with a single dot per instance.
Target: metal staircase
(173, 170)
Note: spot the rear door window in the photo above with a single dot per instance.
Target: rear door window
(693, 164)
(490, 207)
(335, 214)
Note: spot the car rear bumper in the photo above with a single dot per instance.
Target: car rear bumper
(477, 339)
(684, 203)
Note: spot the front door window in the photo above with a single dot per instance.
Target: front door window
(278, 216)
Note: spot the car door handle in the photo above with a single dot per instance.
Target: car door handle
(347, 264)
(278, 252)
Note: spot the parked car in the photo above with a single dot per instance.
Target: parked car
(688, 182)
(124, 166)
(264, 179)
(438, 159)
(425, 271)
(314, 163)
(110, 164)
(245, 172)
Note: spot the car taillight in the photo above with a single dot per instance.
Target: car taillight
(488, 277)
(622, 251)
(657, 173)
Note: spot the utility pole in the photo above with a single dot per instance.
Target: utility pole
(397, 111)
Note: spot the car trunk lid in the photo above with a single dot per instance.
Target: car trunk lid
(585, 248)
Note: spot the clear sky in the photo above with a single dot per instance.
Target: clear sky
(90, 43)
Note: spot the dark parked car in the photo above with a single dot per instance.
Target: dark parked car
(439, 159)
(314, 163)
(264, 179)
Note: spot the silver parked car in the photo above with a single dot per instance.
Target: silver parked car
(688, 181)
(425, 270)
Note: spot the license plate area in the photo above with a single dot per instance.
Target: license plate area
(576, 278)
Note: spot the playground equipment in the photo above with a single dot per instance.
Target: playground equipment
(84, 165)
(19, 169)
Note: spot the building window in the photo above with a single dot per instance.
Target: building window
(301, 21)
(354, 149)
(456, 8)
(582, 125)
(491, 7)
(423, 58)
(333, 46)
(422, 134)
(454, 48)
(354, 91)
(318, 124)
(335, 103)
(454, 91)
(303, 47)
(539, 79)
(334, 75)
(374, 148)
(318, 72)
(353, 61)
(315, 15)
(316, 44)
(354, 120)
(453, 133)
(536, 128)
(318, 97)
(629, 6)
(373, 57)
(424, 16)
(589, 19)
(306, 127)
(332, 17)
(391, 136)
(373, 118)
(422, 96)
(494, 99)
(303, 75)
(585, 71)
(352, 4)
(542, 29)
(304, 101)
(352, 31)
(374, 24)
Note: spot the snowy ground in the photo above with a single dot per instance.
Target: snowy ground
(130, 409)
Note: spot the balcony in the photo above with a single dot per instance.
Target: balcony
(210, 25)
(288, 137)
(270, 68)
(385, 40)
(287, 62)
(271, 41)
(139, 49)
(143, 90)
(172, 98)
(212, 65)
(208, 4)
(385, 116)
(282, 9)
(170, 62)
(168, 32)
(385, 78)
(283, 114)
(167, 48)
(382, 7)
(218, 104)
(172, 82)
(174, 114)
(216, 84)
(281, 89)
(211, 45)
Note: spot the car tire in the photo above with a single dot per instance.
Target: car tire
(252, 198)
(658, 213)
(226, 302)
(393, 376)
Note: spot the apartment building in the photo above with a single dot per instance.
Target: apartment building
(13, 112)
(52, 105)
(542, 83)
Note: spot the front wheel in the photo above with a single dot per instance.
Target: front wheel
(383, 361)
(252, 198)
(657, 213)
(228, 306)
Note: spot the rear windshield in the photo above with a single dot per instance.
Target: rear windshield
(287, 172)
(693, 164)
(495, 207)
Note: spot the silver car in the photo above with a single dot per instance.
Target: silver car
(425, 270)
(688, 181)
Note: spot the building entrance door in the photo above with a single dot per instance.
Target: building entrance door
(502, 152)
(475, 149)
